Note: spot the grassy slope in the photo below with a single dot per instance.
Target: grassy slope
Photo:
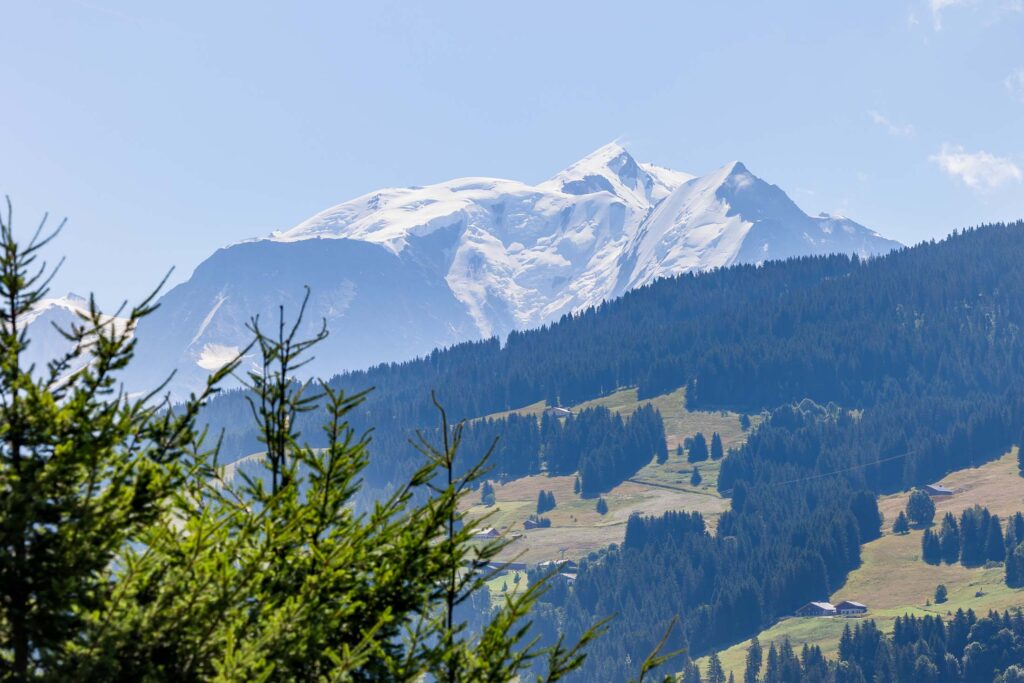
(893, 580)
(576, 528)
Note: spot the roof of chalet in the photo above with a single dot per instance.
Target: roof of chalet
(821, 605)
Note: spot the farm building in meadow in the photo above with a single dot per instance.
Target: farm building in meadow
(557, 411)
(936, 490)
(487, 532)
(499, 566)
(849, 607)
(560, 565)
(817, 609)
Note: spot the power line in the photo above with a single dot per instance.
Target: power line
(841, 471)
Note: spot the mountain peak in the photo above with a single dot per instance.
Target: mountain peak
(606, 153)
(612, 157)
(736, 167)
(416, 268)
(611, 168)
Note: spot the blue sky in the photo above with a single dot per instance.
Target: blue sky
(166, 130)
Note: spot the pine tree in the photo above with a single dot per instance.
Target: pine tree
(133, 559)
(772, 669)
(84, 468)
(847, 672)
(846, 646)
(691, 674)
(925, 670)
(679, 450)
(715, 673)
(789, 665)
(1020, 456)
(695, 477)
(949, 538)
(1015, 567)
(752, 669)
(698, 450)
(487, 494)
(576, 486)
(940, 594)
(931, 547)
(716, 447)
(744, 422)
(602, 506)
(901, 525)
(995, 545)
(920, 508)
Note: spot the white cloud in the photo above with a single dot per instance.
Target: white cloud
(993, 10)
(937, 6)
(902, 130)
(978, 170)
(1015, 84)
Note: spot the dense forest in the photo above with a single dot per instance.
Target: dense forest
(601, 445)
(932, 331)
(782, 543)
(959, 649)
(878, 374)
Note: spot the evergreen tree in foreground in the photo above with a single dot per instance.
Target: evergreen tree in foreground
(84, 470)
(127, 555)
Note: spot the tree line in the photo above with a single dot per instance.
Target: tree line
(599, 444)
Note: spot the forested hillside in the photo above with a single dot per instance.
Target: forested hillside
(912, 364)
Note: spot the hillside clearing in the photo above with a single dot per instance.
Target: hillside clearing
(576, 527)
(893, 580)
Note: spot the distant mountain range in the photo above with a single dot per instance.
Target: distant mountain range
(401, 271)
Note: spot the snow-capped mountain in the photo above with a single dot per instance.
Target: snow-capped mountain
(398, 272)
(45, 322)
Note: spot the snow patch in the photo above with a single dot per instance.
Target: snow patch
(215, 356)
